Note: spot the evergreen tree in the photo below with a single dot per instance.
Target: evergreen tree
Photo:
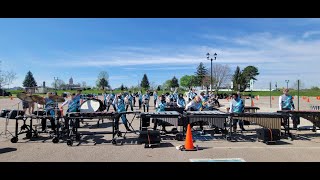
(174, 82)
(122, 87)
(145, 82)
(29, 80)
(200, 74)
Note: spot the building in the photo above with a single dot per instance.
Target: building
(72, 86)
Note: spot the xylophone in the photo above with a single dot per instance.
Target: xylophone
(312, 116)
(170, 117)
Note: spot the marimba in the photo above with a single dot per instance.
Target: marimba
(212, 118)
(170, 117)
(312, 116)
(266, 120)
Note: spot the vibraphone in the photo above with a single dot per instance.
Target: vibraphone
(170, 117)
(312, 116)
(266, 120)
(75, 117)
(212, 118)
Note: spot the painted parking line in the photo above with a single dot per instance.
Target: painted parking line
(218, 160)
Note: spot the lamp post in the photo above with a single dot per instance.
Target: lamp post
(287, 81)
(208, 57)
(55, 82)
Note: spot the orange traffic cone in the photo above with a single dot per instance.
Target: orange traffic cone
(308, 100)
(188, 145)
(272, 98)
(318, 97)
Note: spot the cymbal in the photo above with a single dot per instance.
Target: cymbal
(57, 98)
(38, 99)
(24, 97)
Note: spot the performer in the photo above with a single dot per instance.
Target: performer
(140, 99)
(50, 111)
(160, 107)
(130, 98)
(155, 98)
(195, 105)
(145, 99)
(110, 99)
(120, 106)
(236, 106)
(181, 102)
(286, 103)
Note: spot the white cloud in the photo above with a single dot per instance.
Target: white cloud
(277, 57)
(310, 33)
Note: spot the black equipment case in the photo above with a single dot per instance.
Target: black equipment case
(268, 135)
(149, 137)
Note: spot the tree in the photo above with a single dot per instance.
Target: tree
(188, 81)
(174, 82)
(145, 82)
(9, 77)
(200, 74)
(159, 88)
(29, 80)
(221, 76)
(206, 82)
(166, 85)
(103, 83)
(242, 78)
(122, 87)
(105, 75)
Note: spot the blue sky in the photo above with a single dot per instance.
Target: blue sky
(160, 47)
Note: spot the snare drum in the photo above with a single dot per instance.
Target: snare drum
(92, 105)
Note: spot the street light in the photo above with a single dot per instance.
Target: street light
(287, 81)
(208, 57)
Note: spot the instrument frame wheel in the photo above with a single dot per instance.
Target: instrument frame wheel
(78, 137)
(55, 140)
(14, 139)
(29, 135)
(179, 137)
(114, 142)
(69, 142)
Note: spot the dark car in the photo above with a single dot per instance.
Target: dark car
(5, 93)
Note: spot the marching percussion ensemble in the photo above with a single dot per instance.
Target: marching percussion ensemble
(66, 125)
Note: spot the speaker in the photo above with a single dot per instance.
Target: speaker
(268, 135)
(149, 137)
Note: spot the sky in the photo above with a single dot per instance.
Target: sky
(281, 48)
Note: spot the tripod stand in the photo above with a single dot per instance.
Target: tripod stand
(7, 123)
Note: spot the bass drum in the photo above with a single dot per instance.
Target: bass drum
(92, 105)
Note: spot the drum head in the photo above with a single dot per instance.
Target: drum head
(91, 105)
